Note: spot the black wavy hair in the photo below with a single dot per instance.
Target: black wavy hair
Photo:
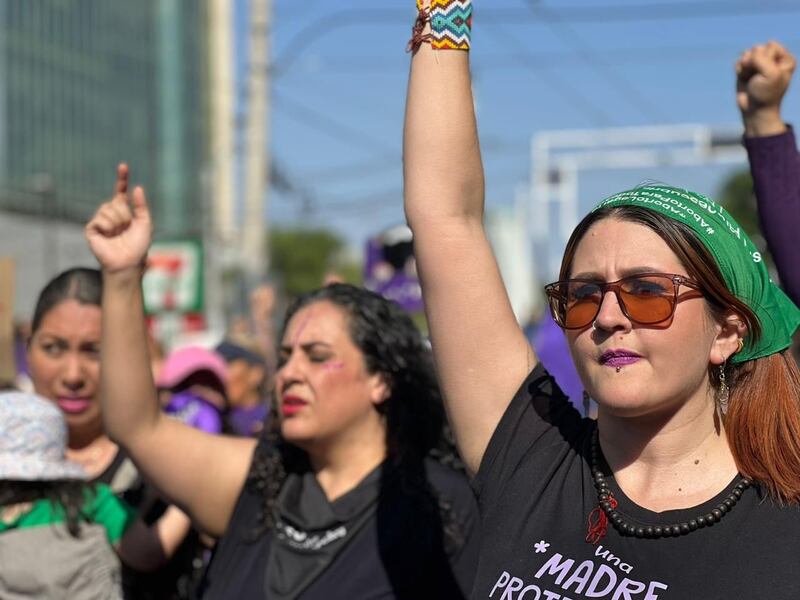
(82, 284)
(69, 495)
(416, 424)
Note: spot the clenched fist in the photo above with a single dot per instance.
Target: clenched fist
(763, 74)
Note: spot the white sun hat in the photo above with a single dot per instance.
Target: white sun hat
(33, 439)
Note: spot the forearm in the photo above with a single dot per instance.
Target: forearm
(129, 400)
(481, 355)
(775, 167)
(763, 122)
(147, 548)
(441, 155)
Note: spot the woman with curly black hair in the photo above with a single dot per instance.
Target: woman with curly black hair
(343, 495)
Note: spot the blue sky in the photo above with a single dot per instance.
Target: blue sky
(340, 76)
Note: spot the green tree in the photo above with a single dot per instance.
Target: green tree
(301, 259)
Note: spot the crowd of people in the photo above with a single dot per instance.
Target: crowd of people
(347, 456)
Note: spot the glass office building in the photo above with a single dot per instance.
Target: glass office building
(85, 84)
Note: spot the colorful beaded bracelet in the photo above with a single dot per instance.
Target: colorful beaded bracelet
(451, 25)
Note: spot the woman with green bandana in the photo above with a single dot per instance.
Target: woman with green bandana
(688, 483)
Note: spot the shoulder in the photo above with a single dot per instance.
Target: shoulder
(106, 509)
(539, 415)
(453, 487)
(121, 475)
(101, 495)
(446, 480)
(265, 464)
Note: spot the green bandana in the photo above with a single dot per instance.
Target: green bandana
(737, 257)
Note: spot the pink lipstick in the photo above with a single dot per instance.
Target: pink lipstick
(72, 405)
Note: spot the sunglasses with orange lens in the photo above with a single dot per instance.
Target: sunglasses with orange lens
(645, 298)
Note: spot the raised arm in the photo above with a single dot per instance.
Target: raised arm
(763, 76)
(201, 473)
(481, 354)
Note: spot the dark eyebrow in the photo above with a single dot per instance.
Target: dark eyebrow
(591, 276)
(51, 337)
(307, 346)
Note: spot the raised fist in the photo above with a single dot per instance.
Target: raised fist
(120, 232)
(762, 77)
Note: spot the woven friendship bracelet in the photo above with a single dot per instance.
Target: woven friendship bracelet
(451, 25)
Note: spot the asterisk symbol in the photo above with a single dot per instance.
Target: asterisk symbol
(541, 547)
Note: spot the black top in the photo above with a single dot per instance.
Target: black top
(535, 493)
(178, 578)
(399, 552)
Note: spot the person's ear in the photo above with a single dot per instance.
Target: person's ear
(729, 339)
(380, 389)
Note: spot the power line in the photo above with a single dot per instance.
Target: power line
(331, 127)
(336, 173)
(609, 13)
(571, 38)
(496, 62)
(666, 11)
(490, 145)
(372, 202)
(578, 100)
(296, 10)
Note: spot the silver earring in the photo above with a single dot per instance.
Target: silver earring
(723, 394)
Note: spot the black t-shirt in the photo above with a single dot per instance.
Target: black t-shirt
(535, 493)
(178, 578)
(398, 553)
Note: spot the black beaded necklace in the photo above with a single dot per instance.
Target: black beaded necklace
(606, 509)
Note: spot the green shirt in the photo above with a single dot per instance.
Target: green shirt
(101, 507)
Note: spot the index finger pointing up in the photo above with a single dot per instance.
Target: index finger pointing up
(121, 185)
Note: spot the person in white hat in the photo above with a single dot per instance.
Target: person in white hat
(58, 533)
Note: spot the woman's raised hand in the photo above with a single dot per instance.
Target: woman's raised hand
(120, 232)
(763, 74)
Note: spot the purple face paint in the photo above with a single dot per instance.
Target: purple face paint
(301, 327)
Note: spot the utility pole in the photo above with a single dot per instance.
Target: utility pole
(222, 117)
(218, 189)
(257, 162)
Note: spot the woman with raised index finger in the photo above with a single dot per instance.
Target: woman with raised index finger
(688, 483)
(344, 495)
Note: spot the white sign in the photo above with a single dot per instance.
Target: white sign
(173, 280)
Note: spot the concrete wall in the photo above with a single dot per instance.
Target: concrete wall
(40, 249)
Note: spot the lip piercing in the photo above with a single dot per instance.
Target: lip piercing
(618, 369)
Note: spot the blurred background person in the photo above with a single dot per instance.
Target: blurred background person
(64, 362)
(192, 387)
(763, 74)
(246, 386)
(57, 532)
